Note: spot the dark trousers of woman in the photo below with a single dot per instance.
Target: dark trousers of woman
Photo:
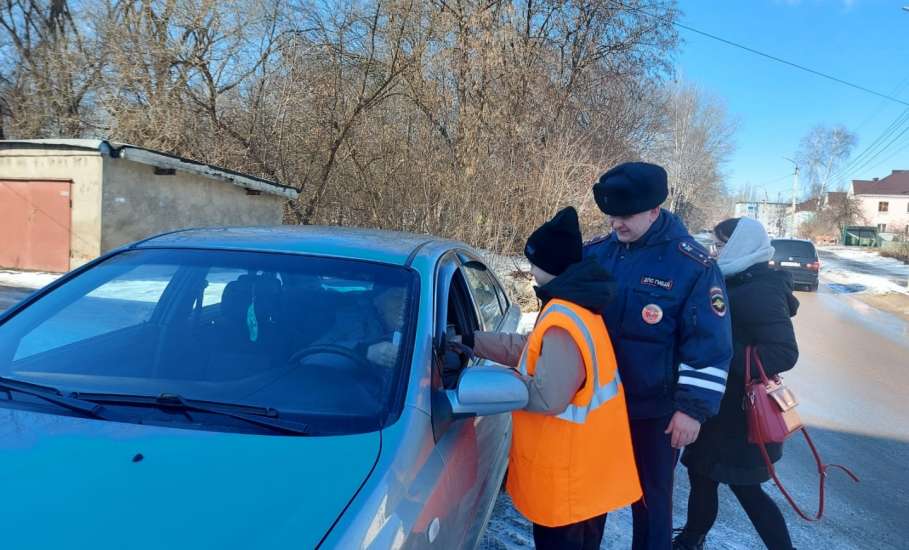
(583, 535)
(703, 506)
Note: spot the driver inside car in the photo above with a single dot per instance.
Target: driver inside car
(377, 335)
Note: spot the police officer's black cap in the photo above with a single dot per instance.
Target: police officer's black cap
(556, 244)
(631, 188)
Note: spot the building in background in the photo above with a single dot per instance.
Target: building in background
(776, 216)
(65, 202)
(885, 203)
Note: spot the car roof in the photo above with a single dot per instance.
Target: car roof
(342, 242)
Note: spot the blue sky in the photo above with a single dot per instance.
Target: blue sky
(862, 41)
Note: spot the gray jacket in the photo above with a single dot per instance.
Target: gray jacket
(559, 372)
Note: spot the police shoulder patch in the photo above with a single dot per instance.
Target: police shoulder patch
(695, 252)
(718, 301)
(597, 240)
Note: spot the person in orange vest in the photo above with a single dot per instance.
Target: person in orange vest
(571, 460)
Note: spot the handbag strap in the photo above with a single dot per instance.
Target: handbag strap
(749, 352)
(821, 470)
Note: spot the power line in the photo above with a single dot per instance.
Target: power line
(896, 90)
(776, 180)
(766, 55)
(796, 65)
(869, 160)
(852, 166)
(903, 147)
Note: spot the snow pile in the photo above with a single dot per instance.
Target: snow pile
(852, 282)
(866, 256)
(528, 320)
(26, 279)
(861, 271)
(137, 291)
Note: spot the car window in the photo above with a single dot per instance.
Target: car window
(326, 339)
(215, 281)
(128, 300)
(485, 294)
(795, 249)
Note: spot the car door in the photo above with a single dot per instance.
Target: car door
(493, 433)
(474, 450)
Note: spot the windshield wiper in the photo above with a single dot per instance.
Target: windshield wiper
(52, 395)
(260, 416)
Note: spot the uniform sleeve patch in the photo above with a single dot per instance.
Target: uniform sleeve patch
(718, 301)
(695, 253)
(648, 280)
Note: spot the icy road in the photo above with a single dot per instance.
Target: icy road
(853, 383)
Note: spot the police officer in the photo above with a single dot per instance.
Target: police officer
(670, 330)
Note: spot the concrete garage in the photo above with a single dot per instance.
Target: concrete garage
(65, 202)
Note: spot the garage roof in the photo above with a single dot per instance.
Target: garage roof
(159, 160)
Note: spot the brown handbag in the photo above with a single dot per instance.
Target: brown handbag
(772, 418)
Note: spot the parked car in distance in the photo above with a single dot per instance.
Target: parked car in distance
(707, 240)
(236, 388)
(798, 257)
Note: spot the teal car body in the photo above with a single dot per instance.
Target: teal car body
(161, 474)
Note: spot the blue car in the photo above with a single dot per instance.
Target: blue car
(240, 388)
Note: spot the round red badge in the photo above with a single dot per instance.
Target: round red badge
(652, 314)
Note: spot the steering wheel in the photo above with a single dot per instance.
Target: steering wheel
(354, 357)
(361, 365)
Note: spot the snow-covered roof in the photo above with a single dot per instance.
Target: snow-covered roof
(158, 159)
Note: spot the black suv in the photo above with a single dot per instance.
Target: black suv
(799, 258)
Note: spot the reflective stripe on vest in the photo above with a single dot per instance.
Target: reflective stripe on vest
(601, 394)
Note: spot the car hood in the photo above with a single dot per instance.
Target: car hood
(81, 483)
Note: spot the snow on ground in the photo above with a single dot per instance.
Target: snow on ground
(867, 256)
(527, 322)
(855, 270)
(26, 279)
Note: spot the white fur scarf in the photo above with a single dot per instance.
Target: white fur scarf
(748, 246)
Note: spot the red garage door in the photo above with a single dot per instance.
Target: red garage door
(35, 225)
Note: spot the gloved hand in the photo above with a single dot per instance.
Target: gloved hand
(459, 348)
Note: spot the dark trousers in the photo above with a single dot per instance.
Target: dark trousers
(703, 505)
(656, 460)
(584, 535)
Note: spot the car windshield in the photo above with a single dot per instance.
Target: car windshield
(321, 339)
(793, 249)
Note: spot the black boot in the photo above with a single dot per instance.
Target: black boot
(686, 540)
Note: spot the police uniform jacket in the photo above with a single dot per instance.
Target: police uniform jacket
(669, 322)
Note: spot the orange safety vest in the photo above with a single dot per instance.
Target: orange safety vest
(578, 464)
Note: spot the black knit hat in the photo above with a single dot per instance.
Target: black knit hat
(631, 188)
(556, 244)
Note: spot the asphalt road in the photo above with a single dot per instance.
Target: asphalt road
(852, 379)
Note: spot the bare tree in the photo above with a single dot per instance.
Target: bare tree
(50, 64)
(694, 143)
(822, 152)
(473, 120)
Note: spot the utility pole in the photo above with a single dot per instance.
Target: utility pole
(795, 194)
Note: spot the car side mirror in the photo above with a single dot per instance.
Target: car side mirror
(487, 390)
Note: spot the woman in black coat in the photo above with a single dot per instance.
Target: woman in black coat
(761, 305)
